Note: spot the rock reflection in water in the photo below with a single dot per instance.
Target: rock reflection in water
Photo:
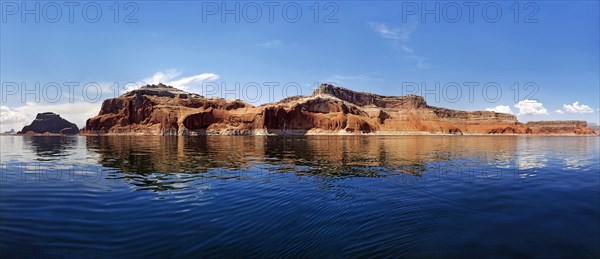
(313, 196)
(150, 160)
(50, 148)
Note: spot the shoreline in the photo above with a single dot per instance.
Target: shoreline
(302, 135)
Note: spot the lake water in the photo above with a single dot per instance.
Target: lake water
(321, 196)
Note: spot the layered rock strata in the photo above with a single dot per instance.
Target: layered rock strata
(164, 110)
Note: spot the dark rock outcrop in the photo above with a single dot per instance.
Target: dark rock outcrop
(50, 123)
(164, 110)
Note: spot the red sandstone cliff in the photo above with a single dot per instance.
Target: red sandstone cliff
(164, 110)
(560, 127)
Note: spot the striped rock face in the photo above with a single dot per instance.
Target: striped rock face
(165, 110)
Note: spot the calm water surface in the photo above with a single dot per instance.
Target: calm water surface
(323, 196)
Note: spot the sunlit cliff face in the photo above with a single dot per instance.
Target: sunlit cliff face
(164, 110)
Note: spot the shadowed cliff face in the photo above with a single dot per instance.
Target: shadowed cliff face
(50, 123)
(164, 110)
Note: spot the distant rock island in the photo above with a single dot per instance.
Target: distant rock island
(50, 123)
(165, 110)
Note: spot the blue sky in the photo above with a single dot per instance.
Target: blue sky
(550, 53)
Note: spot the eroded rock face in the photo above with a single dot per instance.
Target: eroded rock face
(164, 110)
(560, 127)
(50, 123)
(368, 99)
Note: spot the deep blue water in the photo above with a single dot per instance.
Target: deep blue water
(325, 196)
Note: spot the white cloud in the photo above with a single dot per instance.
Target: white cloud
(172, 78)
(77, 112)
(578, 108)
(401, 36)
(531, 107)
(186, 82)
(270, 44)
(8, 115)
(10, 119)
(501, 109)
(559, 111)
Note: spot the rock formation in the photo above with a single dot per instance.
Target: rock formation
(560, 127)
(50, 123)
(164, 110)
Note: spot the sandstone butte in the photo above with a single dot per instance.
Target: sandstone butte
(165, 110)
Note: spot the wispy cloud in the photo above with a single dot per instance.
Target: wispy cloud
(559, 111)
(173, 78)
(270, 44)
(401, 33)
(421, 62)
(341, 79)
(161, 77)
(187, 82)
(578, 108)
(401, 37)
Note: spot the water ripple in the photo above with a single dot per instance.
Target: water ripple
(413, 196)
